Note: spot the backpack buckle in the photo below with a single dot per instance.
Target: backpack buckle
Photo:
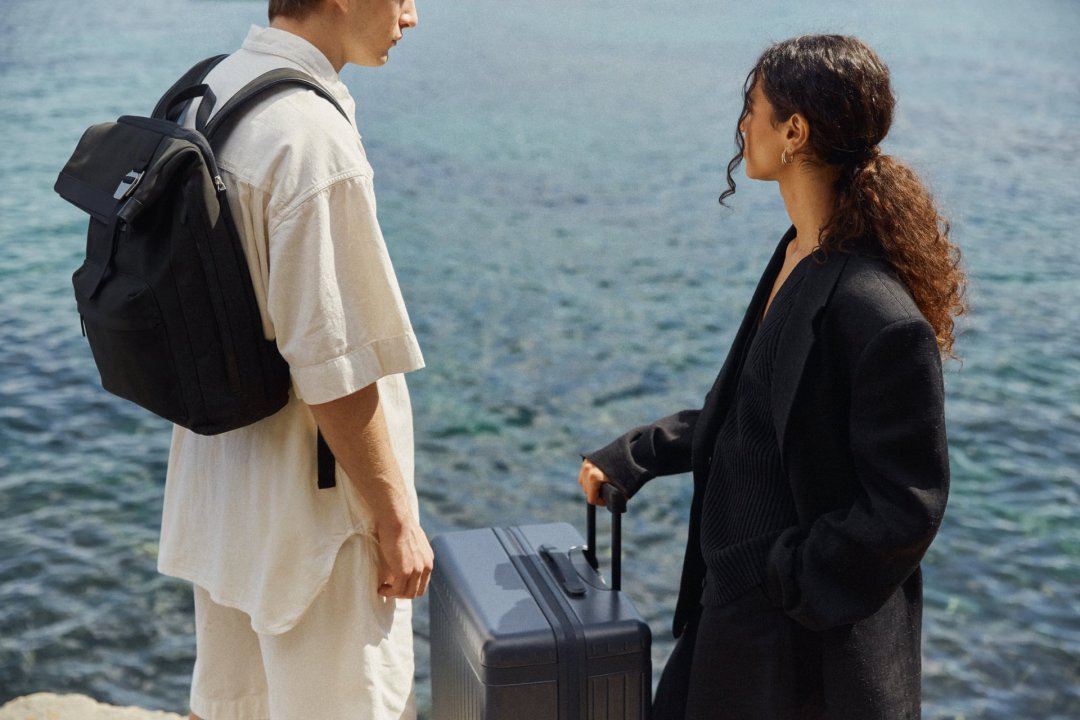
(127, 184)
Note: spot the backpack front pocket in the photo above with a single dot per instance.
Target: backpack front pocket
(129, 340)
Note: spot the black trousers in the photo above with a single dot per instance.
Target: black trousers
(745, 660)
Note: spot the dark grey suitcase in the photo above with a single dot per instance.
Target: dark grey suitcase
(523, 627)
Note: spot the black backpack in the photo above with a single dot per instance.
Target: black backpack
(165, 296)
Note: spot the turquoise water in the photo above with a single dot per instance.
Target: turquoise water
(547, 174)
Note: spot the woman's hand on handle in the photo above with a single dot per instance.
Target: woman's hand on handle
(590, 479)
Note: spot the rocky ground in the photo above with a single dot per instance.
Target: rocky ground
(47, 706)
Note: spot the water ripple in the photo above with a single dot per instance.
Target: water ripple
(570, 275)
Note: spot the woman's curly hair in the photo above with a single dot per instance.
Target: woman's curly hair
(842, 88)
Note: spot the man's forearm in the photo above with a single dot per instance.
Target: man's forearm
(355, 429)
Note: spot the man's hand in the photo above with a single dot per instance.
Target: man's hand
(405, 559)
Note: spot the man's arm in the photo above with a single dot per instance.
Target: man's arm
(355, 430)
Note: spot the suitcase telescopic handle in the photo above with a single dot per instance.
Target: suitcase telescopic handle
(615, 500)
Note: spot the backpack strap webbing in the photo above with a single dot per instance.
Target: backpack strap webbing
(327, 464)
(216, 126)
(189, 86)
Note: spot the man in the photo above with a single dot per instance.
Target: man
(303, 596)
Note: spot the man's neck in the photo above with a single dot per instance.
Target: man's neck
(319, 30)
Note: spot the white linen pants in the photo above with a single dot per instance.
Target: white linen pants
(350, 656)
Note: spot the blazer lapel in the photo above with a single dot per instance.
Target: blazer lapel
(724, 385)
(798, 336)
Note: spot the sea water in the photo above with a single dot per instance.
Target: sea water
(547, 175)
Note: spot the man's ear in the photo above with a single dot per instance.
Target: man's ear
(341, 6)
(797, 132)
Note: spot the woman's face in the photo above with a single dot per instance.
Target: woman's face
(763, 140)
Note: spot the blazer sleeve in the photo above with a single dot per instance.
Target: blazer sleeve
(847, 563)
(662, 448)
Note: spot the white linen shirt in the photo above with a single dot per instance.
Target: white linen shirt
(243, 517)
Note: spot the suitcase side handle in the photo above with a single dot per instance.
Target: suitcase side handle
(615, 501)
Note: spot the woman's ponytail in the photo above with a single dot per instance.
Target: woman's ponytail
(883, 208)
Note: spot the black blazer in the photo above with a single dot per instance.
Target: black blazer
(858, 406)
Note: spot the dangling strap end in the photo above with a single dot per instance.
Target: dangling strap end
(327, 465)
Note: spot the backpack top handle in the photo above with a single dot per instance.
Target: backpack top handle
(167, 107)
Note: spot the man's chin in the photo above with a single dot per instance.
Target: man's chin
(378, 61)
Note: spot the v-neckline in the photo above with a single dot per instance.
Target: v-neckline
(766, 311)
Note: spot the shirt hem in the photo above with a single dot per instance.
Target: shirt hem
(259, 623)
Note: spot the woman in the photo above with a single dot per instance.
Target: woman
(819, 456)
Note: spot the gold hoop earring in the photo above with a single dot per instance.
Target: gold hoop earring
(784, 159)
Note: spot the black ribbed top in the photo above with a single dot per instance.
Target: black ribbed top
(747, 500)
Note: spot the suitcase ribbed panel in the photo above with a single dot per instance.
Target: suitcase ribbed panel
(452, 680)
(616, 697)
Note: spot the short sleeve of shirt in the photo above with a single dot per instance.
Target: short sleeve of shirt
(332, 296)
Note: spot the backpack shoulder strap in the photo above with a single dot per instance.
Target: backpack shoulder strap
(192, 78)
(272, 79)
(219, 124)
